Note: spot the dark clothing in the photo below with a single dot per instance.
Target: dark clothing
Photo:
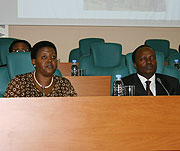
(170, 83)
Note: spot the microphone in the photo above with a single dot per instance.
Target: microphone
(159, 80)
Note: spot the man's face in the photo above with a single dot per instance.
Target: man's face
(145, 62)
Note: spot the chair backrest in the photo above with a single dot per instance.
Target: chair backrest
(84, 48)
(4, 49)
(129, 63)
(122, 70)
(85, 44)
(161, 45)
(20, 63)
(171, 71)
(172, 61)
(172, 58)
(107, 54)
(74, 55)
(159, 58)
(172, 52)
(103, 59)
(4, 80)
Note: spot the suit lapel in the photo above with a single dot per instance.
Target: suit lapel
(159, 89)
(138, 86)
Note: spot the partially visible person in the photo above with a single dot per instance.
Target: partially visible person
(146, 81)
(42, 81)
(20, 46)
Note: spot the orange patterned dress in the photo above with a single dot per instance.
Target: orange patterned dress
(23, 86)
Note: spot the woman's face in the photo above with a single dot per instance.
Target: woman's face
(46, 61)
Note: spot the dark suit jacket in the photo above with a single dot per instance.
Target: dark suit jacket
(170, 83)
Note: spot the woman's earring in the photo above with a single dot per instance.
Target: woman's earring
(34, 66)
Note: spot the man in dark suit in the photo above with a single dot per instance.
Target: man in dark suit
(146, 81)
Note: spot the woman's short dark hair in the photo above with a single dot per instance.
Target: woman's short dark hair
(136, 50)
(19, 41)
(40, 45)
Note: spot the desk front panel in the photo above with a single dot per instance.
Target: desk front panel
(90, 124)
(91, 85)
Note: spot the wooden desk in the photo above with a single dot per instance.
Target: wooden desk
(90, 124)
(65, 68)
(91, 85)
(86, 85)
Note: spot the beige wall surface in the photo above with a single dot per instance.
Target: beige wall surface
(67, 37)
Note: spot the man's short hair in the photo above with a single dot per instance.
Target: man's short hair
(136, 50)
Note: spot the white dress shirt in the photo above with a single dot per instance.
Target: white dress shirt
(152, 84)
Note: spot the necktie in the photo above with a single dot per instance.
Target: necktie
(148, 88)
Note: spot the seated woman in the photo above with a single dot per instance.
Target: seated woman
(41, 82)
(20, 46)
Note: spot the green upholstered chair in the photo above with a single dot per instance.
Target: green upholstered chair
(129, 63)
(171, 71)
(4, 49)
(161, 45)
(85, 45)
(20, 63)
(103, 59)
(74, 55)
(172, 52)
(161, 68)
(84, 48)
(172, 58)
(122, 70)
(4, 80)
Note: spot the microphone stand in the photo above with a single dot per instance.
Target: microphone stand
(159, 80)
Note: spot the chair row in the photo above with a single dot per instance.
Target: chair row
(85, 44)
(161, 45)
(106, 57)
(17, 63)
(102, 59)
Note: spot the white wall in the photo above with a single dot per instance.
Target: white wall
(3, 30)
(67, 37)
